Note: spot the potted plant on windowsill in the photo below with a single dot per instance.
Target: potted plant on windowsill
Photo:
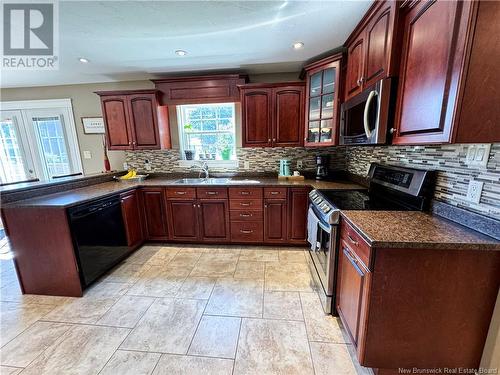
(188, 153)
(225, 146)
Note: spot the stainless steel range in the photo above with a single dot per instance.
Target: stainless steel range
(391, 188)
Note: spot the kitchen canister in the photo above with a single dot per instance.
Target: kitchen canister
(284, 167)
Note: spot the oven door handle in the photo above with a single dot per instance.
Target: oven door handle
(325, 227)
(368, 132)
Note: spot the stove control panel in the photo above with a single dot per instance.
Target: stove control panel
(326, 210)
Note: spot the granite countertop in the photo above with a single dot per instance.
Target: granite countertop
(81, 195)
(414, 229)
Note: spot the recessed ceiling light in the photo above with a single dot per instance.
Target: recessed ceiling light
(83, 60)
(283, 5)
(298, 45)
(180, 52)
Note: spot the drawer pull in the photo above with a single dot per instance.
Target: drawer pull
(246, 231)
(244, 193)
(245, 204)
(275, 192)
(212, 192)
(180, 192)
(352, 240)
(245, 215)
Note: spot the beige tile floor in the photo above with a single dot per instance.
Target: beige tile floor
(178, 309)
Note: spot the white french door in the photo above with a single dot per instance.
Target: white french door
(38, 143)
(16, 163)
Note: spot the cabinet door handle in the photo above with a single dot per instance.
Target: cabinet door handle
(180, 192)
(212, 192)
(246, 231)
(199, 206)
(353, 261)
(352, 240)
(269, 140)
(274, 139)
(265, 206)
(245, 215)
(194, 205)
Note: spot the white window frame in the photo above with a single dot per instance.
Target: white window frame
(214, 163)
(66, 107)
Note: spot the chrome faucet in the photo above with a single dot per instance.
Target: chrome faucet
(203, 166)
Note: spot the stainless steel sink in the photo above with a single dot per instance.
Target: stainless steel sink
(244, 182)
(203, 181)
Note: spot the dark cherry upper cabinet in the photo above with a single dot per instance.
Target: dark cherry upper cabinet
(272, 114)
(298, 203)
(322, 101)
(132, 217)
(449, 64)
(214, 220)
(288, 115)
(135, 120)
(155, 213)
(275, 221)
(370, 48)
(354, 72)
(183, 220)
(256, 109)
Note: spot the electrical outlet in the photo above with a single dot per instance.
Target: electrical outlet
(299, 164)
(474, 191)
(87, 155)
(246, 164)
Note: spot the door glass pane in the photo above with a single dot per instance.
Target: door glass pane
(315, 85)
(53, 145)
(314, 108)
(13, 168)
(328, 80)
(313, 131)
(327, 106)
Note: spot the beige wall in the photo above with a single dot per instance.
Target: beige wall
(85, 104)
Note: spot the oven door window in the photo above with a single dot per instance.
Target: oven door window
(324, 248)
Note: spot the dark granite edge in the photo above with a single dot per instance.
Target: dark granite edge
(476, 222)
(423, 245)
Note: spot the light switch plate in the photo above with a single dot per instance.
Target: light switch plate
(246, 164)
(299, 164)
(87, 155)
(474, 191)
(477, 155)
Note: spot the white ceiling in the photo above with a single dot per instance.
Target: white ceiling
(128, 40)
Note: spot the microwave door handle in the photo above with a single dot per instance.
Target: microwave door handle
(365, 117)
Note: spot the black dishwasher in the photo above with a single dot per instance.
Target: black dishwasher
(99, 237)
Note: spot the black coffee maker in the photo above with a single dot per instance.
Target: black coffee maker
(322, 162)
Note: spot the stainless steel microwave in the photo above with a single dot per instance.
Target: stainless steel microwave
(365, 118)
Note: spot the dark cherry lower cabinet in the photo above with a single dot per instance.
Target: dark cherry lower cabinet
(402, 306)
(132, 217)
(183, 220)
(275, 220)
(214, 220)
(298, 203)
(155, 213)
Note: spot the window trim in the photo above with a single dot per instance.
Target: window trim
(69, 127)
(216, 163)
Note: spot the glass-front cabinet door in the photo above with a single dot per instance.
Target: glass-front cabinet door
(322, 102)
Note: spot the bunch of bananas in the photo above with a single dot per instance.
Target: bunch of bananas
(131, 174)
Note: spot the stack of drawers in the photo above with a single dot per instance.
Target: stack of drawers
(246, 213)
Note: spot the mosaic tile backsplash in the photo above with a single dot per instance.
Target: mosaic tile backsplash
(449, 160)
(453, 174)
(260, 159)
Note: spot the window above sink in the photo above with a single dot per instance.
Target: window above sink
(207, 133)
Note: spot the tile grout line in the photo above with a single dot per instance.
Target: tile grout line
(237, 346)
(307, 333)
